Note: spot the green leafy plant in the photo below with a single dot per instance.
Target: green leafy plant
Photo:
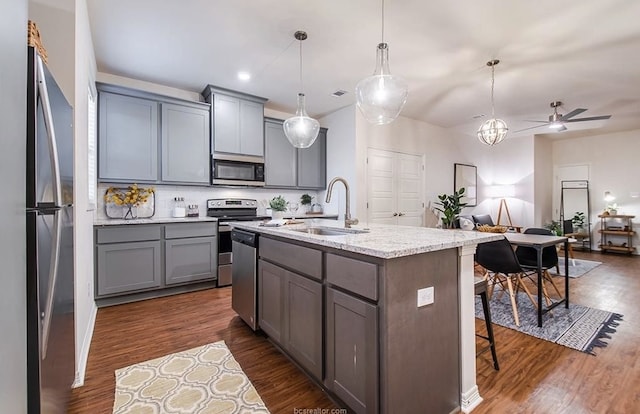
(305, 199)
(555, 227)
(450, 205)
(278, 203)
(578, 219)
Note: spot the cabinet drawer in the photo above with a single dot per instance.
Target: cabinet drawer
(128, 233)
(354, 275)
(301, 259)
(181, 230)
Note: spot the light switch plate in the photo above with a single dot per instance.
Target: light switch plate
(425, 296)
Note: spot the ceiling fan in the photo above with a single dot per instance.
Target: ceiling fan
(556, 121)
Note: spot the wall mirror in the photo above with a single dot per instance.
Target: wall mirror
(465, 176)
(575, 211)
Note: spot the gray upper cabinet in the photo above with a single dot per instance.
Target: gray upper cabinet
(238, 122)
(185, 144)
(312, 163)
(127, 138)
(145, 137)
(290, 167)
(280, 168)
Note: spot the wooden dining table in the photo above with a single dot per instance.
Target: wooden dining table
(539, 242)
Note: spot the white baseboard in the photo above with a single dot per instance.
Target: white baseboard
(81, 367)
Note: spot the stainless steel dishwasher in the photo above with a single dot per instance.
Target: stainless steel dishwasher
(244, 246)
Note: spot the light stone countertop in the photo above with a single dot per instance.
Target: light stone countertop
(384, 241)
(152, 220)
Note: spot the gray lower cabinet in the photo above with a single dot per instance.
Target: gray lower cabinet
(290, 312)
(190, 260)
(185, 144)
(352, 351)
(290, 167)
(127, 138)
(271, 281)
(303, 322)
(125, 267)
(141, 259)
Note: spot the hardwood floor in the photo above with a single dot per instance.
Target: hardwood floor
(535, 376)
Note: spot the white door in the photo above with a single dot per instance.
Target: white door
(395, 183)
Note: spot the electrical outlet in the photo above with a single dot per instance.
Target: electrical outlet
(425, 296)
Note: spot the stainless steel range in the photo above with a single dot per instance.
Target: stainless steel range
(228, 210)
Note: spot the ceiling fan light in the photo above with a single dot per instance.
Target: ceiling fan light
(492, 131)
(301, 130)
(556, 125)
(381, 96)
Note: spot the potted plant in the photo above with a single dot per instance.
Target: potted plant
(306, 200)
(555, 227)
(578, 220)
(450, 206)
(278, 206)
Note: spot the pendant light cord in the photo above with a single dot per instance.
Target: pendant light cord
(382, 40)
(493, 70)
(301, 84)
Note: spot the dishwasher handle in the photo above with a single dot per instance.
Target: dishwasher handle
(244, 237)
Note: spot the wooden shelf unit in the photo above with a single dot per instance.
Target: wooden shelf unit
(610, 234)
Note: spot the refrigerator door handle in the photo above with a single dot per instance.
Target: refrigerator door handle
(51, 134)
(53, 275)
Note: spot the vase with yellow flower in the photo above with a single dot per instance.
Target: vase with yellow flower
(129, 199)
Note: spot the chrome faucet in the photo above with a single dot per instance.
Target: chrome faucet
(348, 221)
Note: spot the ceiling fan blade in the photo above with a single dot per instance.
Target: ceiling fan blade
(592, 118)
(531, 120)
(573, 113)
(526, 129)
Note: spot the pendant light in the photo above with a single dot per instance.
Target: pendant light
(301, 130)
(382, 95)
(492, 131)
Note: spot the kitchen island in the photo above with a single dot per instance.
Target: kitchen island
(380, 316)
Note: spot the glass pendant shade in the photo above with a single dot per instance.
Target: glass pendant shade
(382, 95)
(492, 131)
(301, 130)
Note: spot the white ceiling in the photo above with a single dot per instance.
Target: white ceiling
(585, 53)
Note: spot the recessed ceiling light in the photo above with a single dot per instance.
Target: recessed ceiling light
(244, 76)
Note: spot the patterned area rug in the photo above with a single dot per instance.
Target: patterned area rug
(201, 380)
(577, 267)
(578, 327)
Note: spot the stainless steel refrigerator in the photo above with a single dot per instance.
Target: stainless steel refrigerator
(50, 272)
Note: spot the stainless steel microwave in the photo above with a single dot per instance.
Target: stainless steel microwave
(237, 170)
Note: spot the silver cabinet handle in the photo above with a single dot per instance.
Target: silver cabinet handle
(395, 214)
(401, 214)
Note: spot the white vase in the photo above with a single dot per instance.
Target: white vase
(277, 215)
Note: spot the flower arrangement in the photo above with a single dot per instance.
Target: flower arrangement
(278, 203)
(132, 196)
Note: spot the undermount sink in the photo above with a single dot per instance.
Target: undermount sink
(329, 231)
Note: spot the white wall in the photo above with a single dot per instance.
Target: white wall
(341, 155)
(85, 74)
(614, 167)
(543, 182)
(13, 74)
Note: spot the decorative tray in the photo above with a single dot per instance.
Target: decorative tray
(145, 209)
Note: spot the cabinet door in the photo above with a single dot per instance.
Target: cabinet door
(127, 267)
(352, 351)
(251, 128)
(189, 260)
(303, 313)
(280, 166)
(271, 282)
(312, 163)
(226, 124)
(127, 138)
(185, 144)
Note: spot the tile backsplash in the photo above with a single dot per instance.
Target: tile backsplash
(164, 195)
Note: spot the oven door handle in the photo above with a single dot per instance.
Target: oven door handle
(224, 227)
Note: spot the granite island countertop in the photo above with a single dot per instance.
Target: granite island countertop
(152, 220)
(384, 241)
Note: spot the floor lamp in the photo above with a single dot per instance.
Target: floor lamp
(503, 203)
